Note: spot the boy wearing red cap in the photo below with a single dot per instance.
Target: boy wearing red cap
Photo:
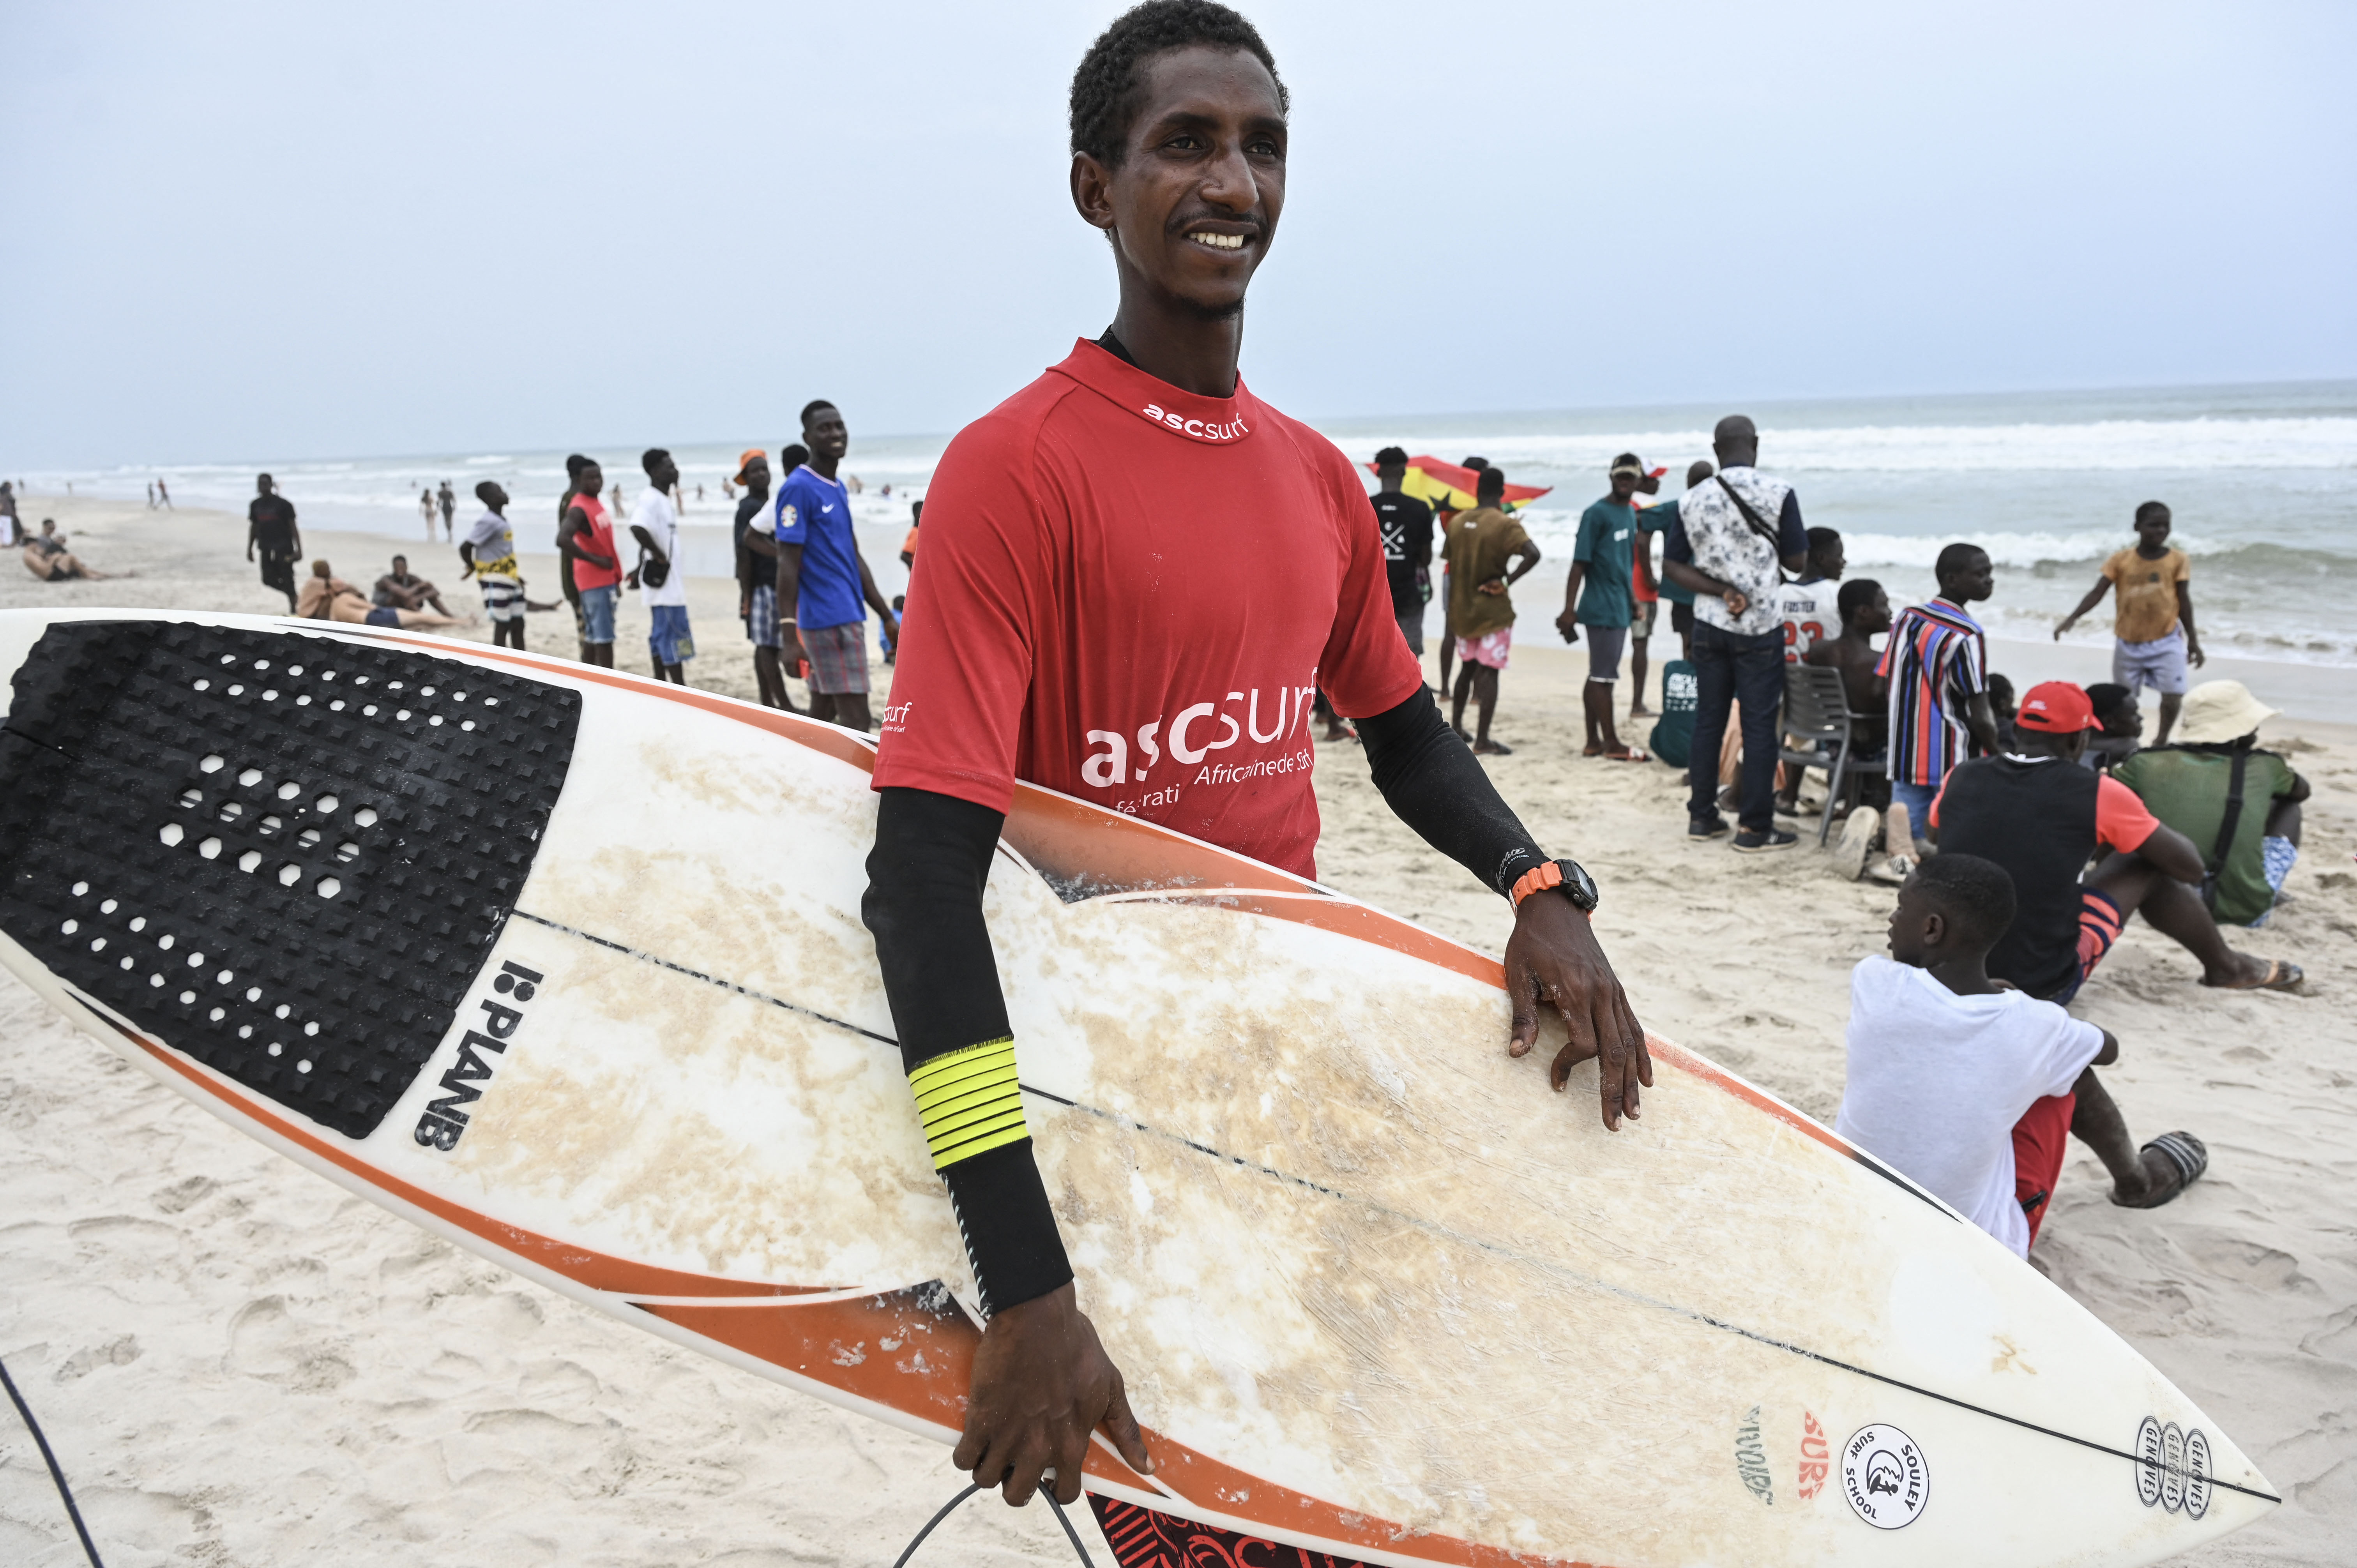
(2042, 819)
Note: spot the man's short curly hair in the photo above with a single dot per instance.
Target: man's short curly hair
(1104, 88)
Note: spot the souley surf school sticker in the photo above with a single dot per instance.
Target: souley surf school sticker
(1884, 1477)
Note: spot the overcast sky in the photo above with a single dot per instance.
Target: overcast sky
(303, 229)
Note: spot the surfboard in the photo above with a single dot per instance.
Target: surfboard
(566, 966)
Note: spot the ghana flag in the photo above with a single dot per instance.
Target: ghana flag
(1448, 488)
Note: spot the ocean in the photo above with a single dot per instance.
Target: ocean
(2262, 480)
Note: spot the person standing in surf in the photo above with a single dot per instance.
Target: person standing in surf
(1089, 625)
(2152, 625)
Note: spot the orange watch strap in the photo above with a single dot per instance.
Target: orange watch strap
(1537, 880)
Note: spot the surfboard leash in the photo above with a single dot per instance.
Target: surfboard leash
(65, 1492)
(902, 1561)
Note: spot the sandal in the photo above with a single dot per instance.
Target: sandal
(2280, 976)
(1626, 754)
(2186, 1154)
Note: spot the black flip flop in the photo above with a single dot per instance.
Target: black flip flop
(2280, 976)
(2184, 1150)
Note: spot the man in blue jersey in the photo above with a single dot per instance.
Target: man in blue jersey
(823, 576)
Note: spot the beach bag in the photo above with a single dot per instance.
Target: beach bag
(1673, 737)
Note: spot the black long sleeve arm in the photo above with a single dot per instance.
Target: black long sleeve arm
(1433, 783)
(923, 905)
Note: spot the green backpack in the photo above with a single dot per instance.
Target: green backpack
(1672, 739)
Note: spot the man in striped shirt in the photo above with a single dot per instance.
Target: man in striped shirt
(1937, 665)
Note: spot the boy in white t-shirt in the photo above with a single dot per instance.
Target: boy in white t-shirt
(1968, 1086)
(662, 585)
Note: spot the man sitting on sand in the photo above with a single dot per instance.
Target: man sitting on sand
(2237, 803)
(47, 557)
(401, 590)
(1967, 1086)
(2042, 820)
(326, 597)
(1863, 610)
(2122, 735)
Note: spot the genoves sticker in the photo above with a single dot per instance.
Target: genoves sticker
(1885, 1478)
(2173, 1467)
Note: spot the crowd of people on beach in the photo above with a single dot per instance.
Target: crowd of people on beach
(2023, 834)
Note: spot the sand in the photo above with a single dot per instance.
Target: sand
(240, 1364)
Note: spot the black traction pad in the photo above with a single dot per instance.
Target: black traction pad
(284, 855)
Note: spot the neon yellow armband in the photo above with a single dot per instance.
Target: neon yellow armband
(969, 1102)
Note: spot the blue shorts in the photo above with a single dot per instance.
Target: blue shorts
(597, 614)
(668, 637)
(2159, 664)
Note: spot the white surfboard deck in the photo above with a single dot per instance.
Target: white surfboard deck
(1375, 1290)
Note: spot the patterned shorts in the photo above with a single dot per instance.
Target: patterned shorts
(2277, 857)
(838, 657)
(761, 623)
(1490, 649)
(503, 598)
(2100, 919)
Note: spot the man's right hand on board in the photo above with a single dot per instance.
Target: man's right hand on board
(1042, 1383)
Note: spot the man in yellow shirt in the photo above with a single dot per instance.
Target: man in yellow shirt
(2153, 618)
(1482, 544)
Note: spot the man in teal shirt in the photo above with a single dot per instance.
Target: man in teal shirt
(1598, 596)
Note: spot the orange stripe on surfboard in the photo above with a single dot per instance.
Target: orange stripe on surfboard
(930, 1365)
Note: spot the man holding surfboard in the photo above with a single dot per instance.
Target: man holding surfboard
(1085, 626)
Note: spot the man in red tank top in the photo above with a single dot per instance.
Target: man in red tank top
(588, 535)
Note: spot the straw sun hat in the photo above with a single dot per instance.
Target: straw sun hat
(2216, 712)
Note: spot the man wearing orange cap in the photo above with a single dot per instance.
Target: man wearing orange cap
(2042, 819)
(757, 578)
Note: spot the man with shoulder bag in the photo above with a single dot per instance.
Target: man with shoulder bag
(1732, 536)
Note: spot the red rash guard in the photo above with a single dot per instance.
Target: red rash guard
(1132, 594)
